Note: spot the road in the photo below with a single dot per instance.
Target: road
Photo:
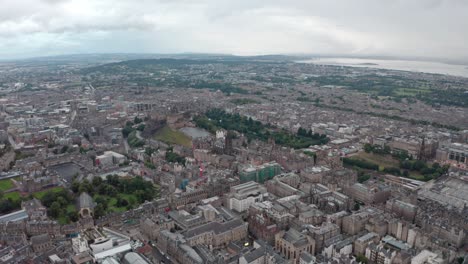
(160, 257)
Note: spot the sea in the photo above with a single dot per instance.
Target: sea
(403, 65)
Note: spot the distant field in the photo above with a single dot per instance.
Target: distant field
(6, 184)
(386, 161)
(382, 161)
(41, 194)
(243, 101)
(13, 195)
(410, 91)
(112, 202)
(71, 208)
(167, 135)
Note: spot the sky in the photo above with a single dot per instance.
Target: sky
(402, 28)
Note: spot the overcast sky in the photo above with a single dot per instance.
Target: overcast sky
(426, 28)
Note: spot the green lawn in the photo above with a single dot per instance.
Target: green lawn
(386, 161)
(382, 161)
(63, 220)
(170, 136)
(112, 207)
(410, 91)
(41, 194)
(6, 184)
(71, 208)
(13, 195)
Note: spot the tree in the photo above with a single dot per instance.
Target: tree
(85, 186)
(73, 216)
(149, 151)
(64, 149)
(408, 165)
(97, 181)
(48, 199)
(121, 202)
(99, 211)
(368, 148)
(54, 210)
(111, 191)
(357, 206)
(137, 120)
(75, 186)
(126, 131)
(62, 201)
(362, 259)
(386, 149)
(419, 165)
(8, 205)
(100, 200)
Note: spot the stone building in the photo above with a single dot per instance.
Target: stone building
(314, 174)
(292, 243)
(217, 234)
(242, 196)
(259, 173)
(369, 194)
(322, 234)
(151, 227)
(401, 209)
(41, 243)
(35, 209)
(281, 189)
(454, 153)
(85, 205)
(378, 254)
(361, 243)
(312, 217)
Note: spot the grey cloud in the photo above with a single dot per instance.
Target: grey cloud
(363, 27)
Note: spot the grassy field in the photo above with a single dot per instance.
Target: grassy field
(41, 194)
(169, 136)
(71, 208)
(382, 161)
(410, 91)
(13, 195)
(112, 202)
(6, 184)
(385, 161)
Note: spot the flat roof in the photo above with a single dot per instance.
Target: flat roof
(13, 217)
(113, 251)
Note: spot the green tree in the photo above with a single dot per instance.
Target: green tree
(99, 211)
(97, 181)
(73, 216)
(54, 209)
(61, 200)
(137, 120)
(85, 186)
(75, 186)
(357, 206)
(368, 148)
(64, 149)
(362, 259)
